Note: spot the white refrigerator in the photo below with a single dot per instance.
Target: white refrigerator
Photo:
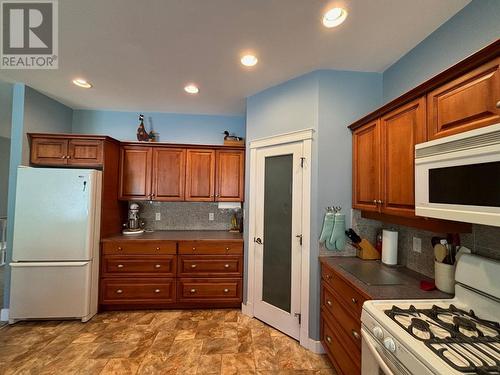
(55, 253)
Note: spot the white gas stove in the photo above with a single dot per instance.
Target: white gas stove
(449, 336)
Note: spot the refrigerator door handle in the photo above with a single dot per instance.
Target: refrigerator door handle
(48, 264)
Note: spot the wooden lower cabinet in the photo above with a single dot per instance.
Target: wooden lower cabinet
(137, 274)
(341, 306)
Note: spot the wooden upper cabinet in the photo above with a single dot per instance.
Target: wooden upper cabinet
(400, 131)
(135, 172)
(200, 175)
(366, 167)
(85, 152)
(169, 174)
(468, 102)
(49, 151)
(230, 176)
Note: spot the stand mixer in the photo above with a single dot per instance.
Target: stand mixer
(134, 225)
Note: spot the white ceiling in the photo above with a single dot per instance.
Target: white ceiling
(140, 54)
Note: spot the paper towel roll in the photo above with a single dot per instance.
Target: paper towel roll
(389, 247)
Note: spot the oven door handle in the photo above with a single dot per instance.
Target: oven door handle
(370, 344)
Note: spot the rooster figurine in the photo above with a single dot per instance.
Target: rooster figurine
(142, 134)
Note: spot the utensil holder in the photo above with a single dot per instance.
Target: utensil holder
(444, 277)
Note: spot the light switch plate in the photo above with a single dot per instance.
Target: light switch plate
(158, 216)
(417, 244)
(211, 216)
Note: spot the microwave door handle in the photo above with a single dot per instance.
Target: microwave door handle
(373, 350)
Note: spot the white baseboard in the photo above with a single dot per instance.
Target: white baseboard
(4, 315)
(247, 309)
(315, 346)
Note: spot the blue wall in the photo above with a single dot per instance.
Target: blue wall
(5, 125)
(172, 127)
(474, 27)
(31, 112)
(326, 101)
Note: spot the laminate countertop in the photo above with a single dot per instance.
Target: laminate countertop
(409, 288)
(179, 235)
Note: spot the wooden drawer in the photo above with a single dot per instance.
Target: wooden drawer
(134, 290)
(138, 247)
(213, 290)
(140, 265)
(212, 247)
(339, 350)
(332, 304)
(352, 298)
(208, 265)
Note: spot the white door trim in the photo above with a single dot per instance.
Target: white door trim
(304, 136)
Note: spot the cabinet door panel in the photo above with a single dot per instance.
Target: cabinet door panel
(135, 172)
(85, 152)
(230, 176)
(47, 151)
(401, 130)
(469, 102)
(169, 174)
(366, 167)
(200, 175)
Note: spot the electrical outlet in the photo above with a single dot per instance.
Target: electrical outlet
(158, 216)
(417, 244)
(211, 216)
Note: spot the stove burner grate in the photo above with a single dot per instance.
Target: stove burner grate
(464, 341)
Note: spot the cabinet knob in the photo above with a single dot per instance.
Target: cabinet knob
(157, 249)
(227, 248)
(193, 265)
(380, 202)
(157, 290)
(119, 291)
(328, 276)
(120, 266)
(217, 195)
(63, 157)
(194, 248)
(375, 201)
(355, 334)
(68, 157)
(119, 248)
(354, 300)
(157, 265)
(329, 339)
(226, 290)
(329, 303)
(193, 290)
(498, 104)
(226, 265)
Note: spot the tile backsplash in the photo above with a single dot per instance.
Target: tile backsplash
(484, 240)
(186, 215)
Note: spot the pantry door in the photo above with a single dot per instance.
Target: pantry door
(278, 241)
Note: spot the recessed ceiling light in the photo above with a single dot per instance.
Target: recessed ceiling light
(80, 82)
(334, 17)
(249, 60)
(192, 89)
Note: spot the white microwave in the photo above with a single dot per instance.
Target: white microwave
(458, 177)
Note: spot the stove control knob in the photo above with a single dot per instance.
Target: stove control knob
(389, 344)
(378, 333)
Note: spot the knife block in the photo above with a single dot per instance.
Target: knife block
(366, 250)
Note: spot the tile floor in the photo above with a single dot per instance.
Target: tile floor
(155, 342)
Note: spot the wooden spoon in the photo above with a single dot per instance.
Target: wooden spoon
(440, 252)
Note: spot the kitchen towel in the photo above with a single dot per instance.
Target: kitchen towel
(338, 239)
(328, 222)
(390, 247)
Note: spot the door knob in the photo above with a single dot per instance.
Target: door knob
(258, 240)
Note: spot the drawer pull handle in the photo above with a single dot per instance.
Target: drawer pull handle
(157, 290)
(226, 265)
(119, 248)
(355, 334)
(157, 265)
(329, 303)
(354, 300)
(158, 248)
(193, 265)
(226, 290)
(119, 291)
(329, 339)
(193, 290)
(120, 266)
(194, 248)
